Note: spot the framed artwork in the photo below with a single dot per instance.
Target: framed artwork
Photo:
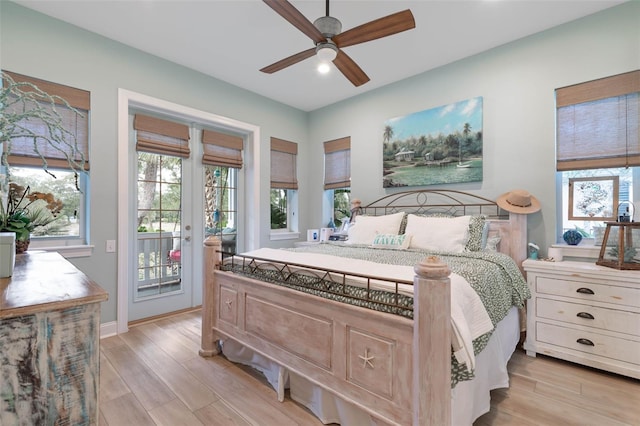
(434, 146)
(593, 198)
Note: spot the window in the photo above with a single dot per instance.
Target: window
(284, 185)
(70, 228)
(222, 158)
(337, 178)
(598, 137)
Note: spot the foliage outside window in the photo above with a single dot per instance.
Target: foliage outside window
(279, 209)
(341, 206)
(69, 221)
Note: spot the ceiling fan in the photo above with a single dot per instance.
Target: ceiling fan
(326, 33)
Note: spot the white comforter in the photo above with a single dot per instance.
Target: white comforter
(469, 318)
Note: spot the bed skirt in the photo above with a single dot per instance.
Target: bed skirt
(469, 399)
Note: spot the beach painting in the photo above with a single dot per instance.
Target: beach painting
(435, 146)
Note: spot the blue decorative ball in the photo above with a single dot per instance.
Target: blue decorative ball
(572, 237)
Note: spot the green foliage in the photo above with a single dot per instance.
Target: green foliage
(278, 209)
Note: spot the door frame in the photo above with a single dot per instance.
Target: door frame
(250, 196)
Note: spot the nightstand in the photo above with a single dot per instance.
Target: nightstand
(584, 313)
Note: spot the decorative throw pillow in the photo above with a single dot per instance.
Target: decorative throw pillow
(390, 241)
(492, 243)
(438, 233)
(365, 229)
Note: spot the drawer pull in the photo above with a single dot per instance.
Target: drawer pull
(584, 290)
(585, 342)
(585, 315)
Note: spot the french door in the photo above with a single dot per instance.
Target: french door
(162, 274)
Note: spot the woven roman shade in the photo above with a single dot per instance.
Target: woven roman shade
(283, 164)
(337, 163)
(160, 136)
(221, 149)
(77, 145)
(598, 123)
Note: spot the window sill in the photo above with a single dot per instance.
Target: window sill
(584, 251)
(67, 252)
(279, 236)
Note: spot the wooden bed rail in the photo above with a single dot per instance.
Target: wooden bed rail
(409, 385)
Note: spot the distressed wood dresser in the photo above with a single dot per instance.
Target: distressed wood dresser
(49, 343)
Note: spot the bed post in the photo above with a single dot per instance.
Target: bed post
(518, 236)
(212, 258)
(432, 343)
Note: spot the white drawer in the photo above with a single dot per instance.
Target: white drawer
(588, 291)
(590, 316)
(592, 342)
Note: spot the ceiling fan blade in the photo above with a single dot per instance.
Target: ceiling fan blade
(350, 69)
(293, 59)
(297, 19)
(382, 27)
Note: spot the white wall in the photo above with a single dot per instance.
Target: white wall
(517, 83)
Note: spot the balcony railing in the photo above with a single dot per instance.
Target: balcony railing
(155, 269)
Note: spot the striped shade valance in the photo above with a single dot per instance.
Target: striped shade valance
(337, 163)
(221, 149)
(160, 136)
(283, 164)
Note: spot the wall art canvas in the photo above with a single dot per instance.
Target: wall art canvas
(435, 146)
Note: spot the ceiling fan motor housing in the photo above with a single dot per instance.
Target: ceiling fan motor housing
(328, 26)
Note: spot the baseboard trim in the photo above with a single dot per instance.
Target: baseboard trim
(108, 329)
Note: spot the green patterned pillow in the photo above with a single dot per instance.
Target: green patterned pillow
(476, 230)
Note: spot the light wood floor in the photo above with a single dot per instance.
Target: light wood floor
(153, 375)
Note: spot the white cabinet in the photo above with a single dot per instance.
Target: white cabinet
(584, 313)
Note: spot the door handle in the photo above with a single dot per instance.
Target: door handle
(187, 238)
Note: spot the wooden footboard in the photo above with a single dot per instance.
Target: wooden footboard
(396, 369)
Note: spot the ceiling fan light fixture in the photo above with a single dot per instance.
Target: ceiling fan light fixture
(326, 52)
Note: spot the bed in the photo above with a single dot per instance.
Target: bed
(386, 333)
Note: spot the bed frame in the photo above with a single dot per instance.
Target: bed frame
(368, 358)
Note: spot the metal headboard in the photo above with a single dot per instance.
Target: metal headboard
(435, 201)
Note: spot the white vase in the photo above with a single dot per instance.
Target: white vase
(7, 253)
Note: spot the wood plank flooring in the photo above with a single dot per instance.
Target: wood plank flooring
(153, 375)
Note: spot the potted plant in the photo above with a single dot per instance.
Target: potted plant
(25, 212)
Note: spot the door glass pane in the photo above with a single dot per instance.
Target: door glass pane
(158, 236)
(220, 194)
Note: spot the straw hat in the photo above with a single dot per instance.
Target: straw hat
(518, 201)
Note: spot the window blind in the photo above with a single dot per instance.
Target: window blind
(283, 164)
(337, 163)
(598, 123)
(221, 149)
(159, 136)
(76, 146)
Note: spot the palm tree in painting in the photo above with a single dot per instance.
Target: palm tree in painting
(388, 133)
(465, 131)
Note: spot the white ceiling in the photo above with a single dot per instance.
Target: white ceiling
(232, 39)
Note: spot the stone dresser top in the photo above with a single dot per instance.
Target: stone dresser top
(45, 281)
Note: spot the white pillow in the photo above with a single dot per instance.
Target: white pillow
(392, 241)
(365, 229)
(438, 233)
